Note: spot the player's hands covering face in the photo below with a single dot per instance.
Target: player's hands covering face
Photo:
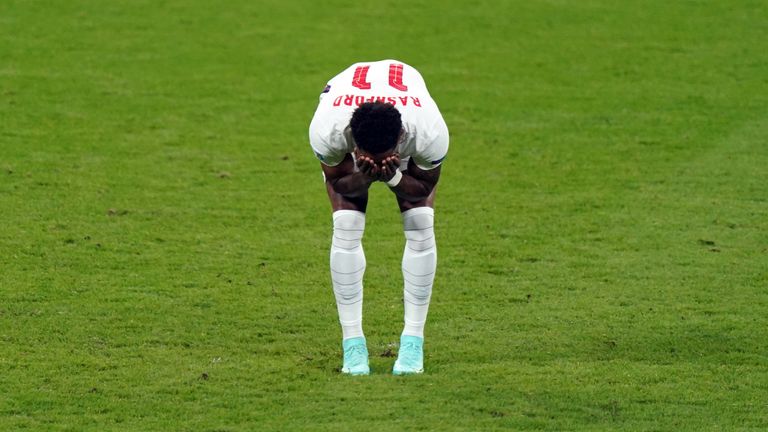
(368, 167)
(389, 166)
(378, 172)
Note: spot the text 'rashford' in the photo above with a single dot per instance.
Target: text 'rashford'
(349, 100)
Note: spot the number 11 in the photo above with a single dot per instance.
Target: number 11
(359, 80)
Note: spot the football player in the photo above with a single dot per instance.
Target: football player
(376, 122)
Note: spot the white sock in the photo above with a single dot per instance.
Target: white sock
(347, 269)
(419, 265)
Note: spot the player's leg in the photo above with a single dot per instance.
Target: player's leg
(419, 265)
(347, 262)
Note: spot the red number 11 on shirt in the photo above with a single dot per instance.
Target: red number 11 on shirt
(359, 80)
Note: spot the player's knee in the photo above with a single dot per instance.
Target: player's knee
(347, 257)
(348, 228)
(418, 225)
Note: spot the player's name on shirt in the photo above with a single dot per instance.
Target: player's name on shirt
(357, 100)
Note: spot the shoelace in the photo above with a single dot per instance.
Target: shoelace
(409, 352)
(356, 352)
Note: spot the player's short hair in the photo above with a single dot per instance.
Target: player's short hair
(376, 126)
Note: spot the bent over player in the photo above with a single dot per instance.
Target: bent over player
(376, 122)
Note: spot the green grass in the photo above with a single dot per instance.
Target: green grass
(601, 220)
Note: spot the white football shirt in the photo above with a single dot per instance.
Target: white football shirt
(391, 81)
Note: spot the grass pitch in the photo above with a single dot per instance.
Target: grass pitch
(601, 218)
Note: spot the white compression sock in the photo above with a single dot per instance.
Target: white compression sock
(419, 265)
(347, 269)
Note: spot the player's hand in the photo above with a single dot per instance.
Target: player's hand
(389, 166)
(368, 168)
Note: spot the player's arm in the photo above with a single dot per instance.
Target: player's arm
(416, 184)
(345, 181)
